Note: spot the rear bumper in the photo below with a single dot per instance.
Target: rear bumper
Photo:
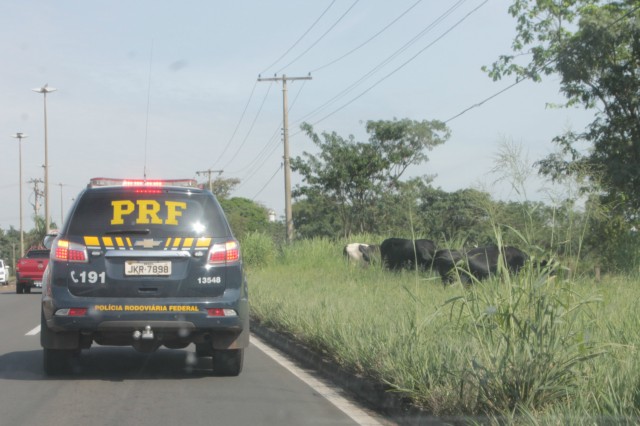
(115, 321)
(29, 281)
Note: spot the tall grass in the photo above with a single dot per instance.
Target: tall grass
(522, 347)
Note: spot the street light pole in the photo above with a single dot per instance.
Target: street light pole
(44, 90)
(20, 136)
(61, 209)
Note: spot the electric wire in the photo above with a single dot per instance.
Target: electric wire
(237, 125)
(320, 38)
(521, 79)
(250, 128)
(268, 150)
(366, 41)
(451, 28)
(384, 62)
(266, 183)
(268, 146)
(487, 99)
(300, 38)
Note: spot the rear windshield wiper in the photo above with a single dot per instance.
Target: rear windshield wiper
(128, 231)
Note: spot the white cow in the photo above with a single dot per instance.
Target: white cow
(360, 253)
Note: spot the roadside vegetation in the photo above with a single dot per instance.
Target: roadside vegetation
(522, 349)
(559, 351)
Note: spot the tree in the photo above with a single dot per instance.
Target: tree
(221, 187)
(246, 216)
(594, 46)
(458, 217)
(350, 177)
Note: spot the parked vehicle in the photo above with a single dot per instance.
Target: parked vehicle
(4, 273)
(30, 268)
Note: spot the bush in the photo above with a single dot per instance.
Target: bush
(258, 249)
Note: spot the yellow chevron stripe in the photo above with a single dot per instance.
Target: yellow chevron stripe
(91, 241)
(203, 242)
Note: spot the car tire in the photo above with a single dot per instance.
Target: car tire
(227, 362)
(19, 288)
(56, 361)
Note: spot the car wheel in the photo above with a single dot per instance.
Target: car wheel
(227, 362)
(18, 288)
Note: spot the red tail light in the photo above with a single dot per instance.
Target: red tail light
(220, 312)
(71, 312)
(67, 251)
(221, 254)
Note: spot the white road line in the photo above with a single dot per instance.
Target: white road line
(33, 332)
(329, 392)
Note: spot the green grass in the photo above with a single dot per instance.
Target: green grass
(524, 347)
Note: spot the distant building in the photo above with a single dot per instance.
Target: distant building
(272, 216)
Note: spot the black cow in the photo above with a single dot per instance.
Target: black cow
(398, 253)
(445, 262)
(479, 263)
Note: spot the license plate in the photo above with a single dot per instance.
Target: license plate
(146, 268)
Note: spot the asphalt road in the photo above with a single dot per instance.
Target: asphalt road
(119, 386)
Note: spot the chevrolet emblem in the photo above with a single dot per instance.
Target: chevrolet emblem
(147, 243)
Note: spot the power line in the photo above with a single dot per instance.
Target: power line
(300, 38)
(384, 62)
(521, 79)
(267, 183)
(320, 38)
(269, 146)
(403, 64)
(368, 40)
(250, 128)
(237, 125)
(479, 104)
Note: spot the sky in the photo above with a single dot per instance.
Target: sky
(169, 89)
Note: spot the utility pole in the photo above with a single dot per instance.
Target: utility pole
(209, 172)
(287, 165)
(61, 207)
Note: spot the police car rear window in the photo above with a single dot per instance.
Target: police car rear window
(166, 214)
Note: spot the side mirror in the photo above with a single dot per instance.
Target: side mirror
(47, 242)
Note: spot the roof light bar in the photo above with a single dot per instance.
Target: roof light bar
(155, 183)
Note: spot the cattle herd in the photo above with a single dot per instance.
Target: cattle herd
(477, 263)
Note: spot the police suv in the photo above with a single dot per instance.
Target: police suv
(145, 263)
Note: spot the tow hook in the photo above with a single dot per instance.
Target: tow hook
(146, 334)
